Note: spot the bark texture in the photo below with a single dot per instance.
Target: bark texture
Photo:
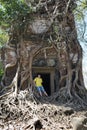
(52, 25)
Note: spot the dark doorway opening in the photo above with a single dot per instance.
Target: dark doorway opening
(46, 81)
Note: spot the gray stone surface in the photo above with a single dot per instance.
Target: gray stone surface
(79, 123)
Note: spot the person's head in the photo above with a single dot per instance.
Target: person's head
(39, 75)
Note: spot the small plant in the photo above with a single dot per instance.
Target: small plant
(1, 71)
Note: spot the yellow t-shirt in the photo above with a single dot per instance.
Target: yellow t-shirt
(38, 81)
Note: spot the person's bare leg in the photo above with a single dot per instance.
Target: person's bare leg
(40, 93)
(45, 93)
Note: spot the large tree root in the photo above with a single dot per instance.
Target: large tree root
(26, 113)
(63, 97)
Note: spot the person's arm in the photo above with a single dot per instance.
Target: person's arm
(41, 81)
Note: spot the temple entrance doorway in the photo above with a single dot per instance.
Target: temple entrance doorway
(47, 75)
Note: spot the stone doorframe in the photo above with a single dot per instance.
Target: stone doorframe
(49, 70)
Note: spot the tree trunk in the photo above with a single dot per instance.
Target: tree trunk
(53, 21)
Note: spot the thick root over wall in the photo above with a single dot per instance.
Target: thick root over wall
(25, 112)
